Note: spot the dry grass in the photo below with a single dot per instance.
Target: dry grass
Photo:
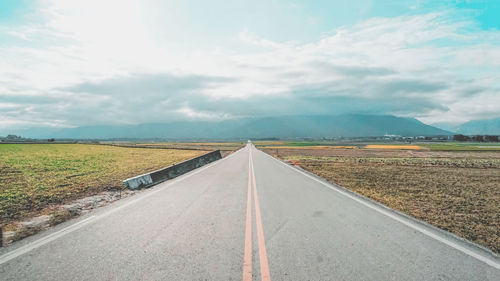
(312, 147)
(456, 191)
(388, 146)
(195, 144)
(35, 176)
(364, 153)
(226, 148)
(466, 146)
(269, 143)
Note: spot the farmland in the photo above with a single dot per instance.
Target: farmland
(454, 189)
(430, 146)
(388, 146)
(225, 147)
(36, 176)
(463, 146)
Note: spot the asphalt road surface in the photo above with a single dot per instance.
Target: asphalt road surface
(245, 217)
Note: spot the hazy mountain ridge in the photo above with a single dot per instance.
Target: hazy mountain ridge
(474, 127)
(352, 125)
(480, 127)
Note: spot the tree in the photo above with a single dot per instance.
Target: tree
(478, 138)
(12, 137)
(491, 138)
(460, 137)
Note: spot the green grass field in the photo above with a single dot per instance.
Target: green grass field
(35, 176)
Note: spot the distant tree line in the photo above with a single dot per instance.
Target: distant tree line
(15, 139)
(476, 138)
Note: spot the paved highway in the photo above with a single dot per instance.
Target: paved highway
(245, 217)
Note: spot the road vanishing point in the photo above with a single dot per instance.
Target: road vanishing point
(246, 217)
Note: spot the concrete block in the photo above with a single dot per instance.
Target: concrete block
(138, 181)
(171, 172)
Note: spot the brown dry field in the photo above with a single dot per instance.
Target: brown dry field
(391, 146)
(455, 191)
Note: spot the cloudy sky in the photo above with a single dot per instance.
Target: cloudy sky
(67, 63)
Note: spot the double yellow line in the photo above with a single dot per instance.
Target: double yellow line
(247, 261)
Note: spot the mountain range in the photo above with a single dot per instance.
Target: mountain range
(480, 127)
(318, 126)
(474, 127)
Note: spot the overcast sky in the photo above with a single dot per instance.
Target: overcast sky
(70, 63)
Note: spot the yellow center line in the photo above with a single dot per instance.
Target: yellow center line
(264, 264)
(247, 261)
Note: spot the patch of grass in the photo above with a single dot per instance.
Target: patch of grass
(456, 191)
(35, 176)
(303, 144)
(392, 146)
(269, 143)
(226, 148)
(312, 147)
(452, 146)
(197, 144)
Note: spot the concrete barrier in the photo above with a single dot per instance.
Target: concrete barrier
(173, 171)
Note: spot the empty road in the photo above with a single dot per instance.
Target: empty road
(245, 217)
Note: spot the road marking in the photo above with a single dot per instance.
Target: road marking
(489, 261)
(45, 240)
(247, 261)
(51, 237)
(264, 264)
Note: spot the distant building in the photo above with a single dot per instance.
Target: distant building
(392, 137)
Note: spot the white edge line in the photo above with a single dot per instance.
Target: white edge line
(419, 228)
(42, 241)
(53, 236)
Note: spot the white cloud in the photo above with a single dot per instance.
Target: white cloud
(427, 66)
(193, 114)
(251, 38)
